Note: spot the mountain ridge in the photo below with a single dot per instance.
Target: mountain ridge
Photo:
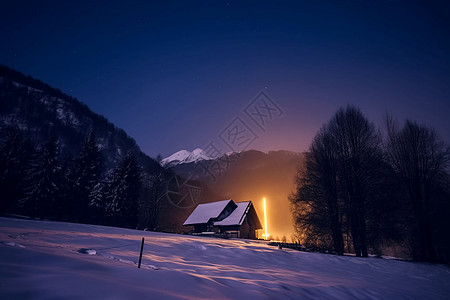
(185, 157)
(40, 111)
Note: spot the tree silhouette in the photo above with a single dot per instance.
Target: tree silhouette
(420, 159)
(47, 184)
(340, 187)
(15, 158)
(84, 176)
(123, 192)
(150, 202)
(316, 208)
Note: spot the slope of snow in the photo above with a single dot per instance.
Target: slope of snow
(184, 156)
(197, 155)
(176, 157)
(49, 260)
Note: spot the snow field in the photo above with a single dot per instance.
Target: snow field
(53, 260)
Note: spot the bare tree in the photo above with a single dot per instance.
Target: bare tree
(315, 202)
(340, 182)
(357, 146)
(420, 159)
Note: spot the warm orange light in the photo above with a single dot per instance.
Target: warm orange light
(265, 235)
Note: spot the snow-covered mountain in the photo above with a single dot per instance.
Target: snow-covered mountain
(183, 157)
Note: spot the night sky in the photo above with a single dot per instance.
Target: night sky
(175, 75)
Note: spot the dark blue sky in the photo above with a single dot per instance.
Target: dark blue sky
(175, 75)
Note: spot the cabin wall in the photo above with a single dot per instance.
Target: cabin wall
(247, 231)
(230, 231)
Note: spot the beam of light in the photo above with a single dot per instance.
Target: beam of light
(266, 236)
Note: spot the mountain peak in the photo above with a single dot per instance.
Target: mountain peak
(184, 156)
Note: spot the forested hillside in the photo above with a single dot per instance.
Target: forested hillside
(60, 160)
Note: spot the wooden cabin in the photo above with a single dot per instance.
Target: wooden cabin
(225, 218)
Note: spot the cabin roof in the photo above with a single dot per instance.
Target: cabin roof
(237, 216)
(204, 212)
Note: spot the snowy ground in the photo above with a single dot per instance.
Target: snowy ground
(50, 260)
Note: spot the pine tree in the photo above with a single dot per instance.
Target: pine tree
(123, 192)
(15, 155)
(84, 176)
(46, 191)
(97, 195)
(97, 200)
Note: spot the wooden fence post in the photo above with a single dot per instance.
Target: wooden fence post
(140, 255)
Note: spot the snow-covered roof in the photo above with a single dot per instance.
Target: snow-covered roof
(203, 212)
(237, 216)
